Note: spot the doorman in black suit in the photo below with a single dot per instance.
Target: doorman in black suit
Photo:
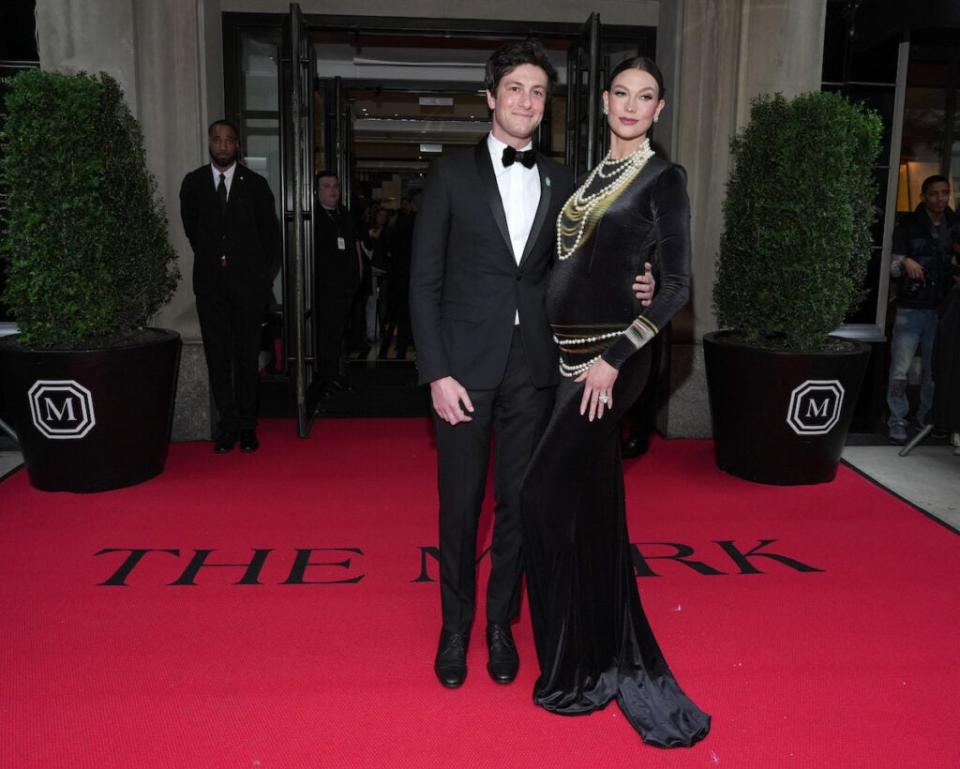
(339, 272)
(228, 214)
(483, 247)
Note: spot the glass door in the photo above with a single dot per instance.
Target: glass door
(298, 65)
(585, 138)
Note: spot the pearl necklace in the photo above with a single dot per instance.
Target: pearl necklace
(581, 205)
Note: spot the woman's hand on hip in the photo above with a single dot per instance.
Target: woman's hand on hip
(597, 389)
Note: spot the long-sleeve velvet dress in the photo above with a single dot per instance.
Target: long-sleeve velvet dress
(593, 641)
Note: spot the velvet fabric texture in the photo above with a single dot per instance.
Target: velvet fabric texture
(593, 641)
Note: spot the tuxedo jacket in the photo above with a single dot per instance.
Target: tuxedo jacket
(465, 284)
(247, 234)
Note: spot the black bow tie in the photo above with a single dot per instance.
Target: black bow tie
(527, 157)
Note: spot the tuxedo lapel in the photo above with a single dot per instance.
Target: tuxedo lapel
(488, 181)
(542, 209)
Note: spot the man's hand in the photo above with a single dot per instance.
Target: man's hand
(913, 268)
(447, 395)
(645, 285)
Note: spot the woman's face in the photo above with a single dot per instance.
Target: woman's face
(632, 103)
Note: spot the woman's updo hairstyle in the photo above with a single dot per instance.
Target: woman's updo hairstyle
(644, 64)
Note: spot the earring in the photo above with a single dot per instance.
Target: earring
(656, 119)
(606, 111)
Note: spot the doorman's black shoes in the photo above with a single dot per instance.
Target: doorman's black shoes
(225, 441)
(248, 441)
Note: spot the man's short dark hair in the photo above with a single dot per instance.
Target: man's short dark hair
(327, 172)
(511, 55)
(931, 180)
(226, 123)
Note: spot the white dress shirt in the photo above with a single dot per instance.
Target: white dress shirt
(520, 194)
(227, 177)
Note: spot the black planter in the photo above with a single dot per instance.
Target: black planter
(781, 417)
(96, 419)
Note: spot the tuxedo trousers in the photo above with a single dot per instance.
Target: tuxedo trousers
(512, 415)
(231, 343)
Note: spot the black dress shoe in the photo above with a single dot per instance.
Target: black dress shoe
(636, 445)
(451, 662)
(226, 440)
(248, 441)
(504, 660)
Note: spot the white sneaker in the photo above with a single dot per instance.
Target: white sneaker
(898, 433)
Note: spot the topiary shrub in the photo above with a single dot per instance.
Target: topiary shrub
(85, 234)
(796, 238)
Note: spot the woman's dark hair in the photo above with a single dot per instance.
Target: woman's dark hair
(511, 55)
(644, 64)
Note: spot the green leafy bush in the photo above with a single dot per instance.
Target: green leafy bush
(86, 236)
(797, 217)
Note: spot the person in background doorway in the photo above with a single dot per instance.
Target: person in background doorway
(375, 244)
(922, 249)
(397, 305)
(340, 268)
(229, 217)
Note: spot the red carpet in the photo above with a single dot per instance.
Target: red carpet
(853, 665)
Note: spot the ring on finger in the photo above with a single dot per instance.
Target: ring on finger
(603, 398)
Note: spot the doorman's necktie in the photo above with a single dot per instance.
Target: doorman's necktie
(222, 192)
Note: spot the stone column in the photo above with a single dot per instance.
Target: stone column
(722, 53)
(168, 59)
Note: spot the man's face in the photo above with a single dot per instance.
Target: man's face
(223, 145)
(937, 197)
(518, 104)
(328, 190)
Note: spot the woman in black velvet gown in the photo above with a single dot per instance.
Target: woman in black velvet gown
(593, 641)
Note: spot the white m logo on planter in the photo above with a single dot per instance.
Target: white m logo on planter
(61, 410)
(815, 406)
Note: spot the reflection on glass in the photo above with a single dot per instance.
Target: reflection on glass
(260, 114)
(259, 69)
(924, 119)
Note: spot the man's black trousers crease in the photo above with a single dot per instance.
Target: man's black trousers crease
(516, 412)
(231, 343)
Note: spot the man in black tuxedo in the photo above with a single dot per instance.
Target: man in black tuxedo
(230, 220)
(483, 247)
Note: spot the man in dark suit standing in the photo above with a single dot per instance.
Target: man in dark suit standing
(229, 217)
(339, 272)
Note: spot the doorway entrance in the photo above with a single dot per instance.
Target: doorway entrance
(376, 100)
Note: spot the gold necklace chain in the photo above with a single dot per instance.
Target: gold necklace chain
(581, 205)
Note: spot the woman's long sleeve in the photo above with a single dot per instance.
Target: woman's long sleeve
(671, 216)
